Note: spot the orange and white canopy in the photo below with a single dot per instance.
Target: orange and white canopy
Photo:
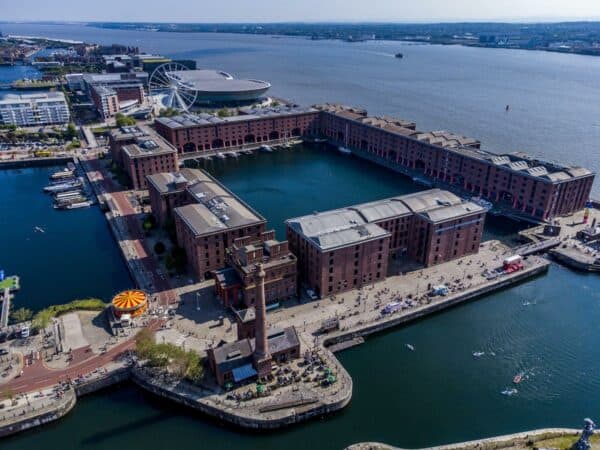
(129, 301)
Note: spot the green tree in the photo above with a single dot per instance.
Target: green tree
(223, 113)
(42, 319)
(159, 248)
(71, 132)
(144, 341)
(124, 121)
(21, 315)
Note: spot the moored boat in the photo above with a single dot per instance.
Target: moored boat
(61, 187)
(61, 174)
(518, 378)
(83, 204)
(344, 150)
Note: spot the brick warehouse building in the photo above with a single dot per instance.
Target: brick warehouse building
(141, 152)
(516, 183)
(236, 284)
(348, 248)
(208, 217)
(191, 133)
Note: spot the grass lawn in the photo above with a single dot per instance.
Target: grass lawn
(566, 442)
(8, 282)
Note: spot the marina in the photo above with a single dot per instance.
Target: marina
(498, 324)
(69, 190)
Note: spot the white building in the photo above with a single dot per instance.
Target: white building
(45, 108)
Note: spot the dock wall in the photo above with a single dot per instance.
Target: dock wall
(55, 411)
(233, 416)
(423, 311)
(518, 440)
(115, 377)
(35, 162)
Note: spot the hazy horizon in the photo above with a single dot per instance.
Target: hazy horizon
(307, 11)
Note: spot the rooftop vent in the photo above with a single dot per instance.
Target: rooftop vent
(234, 354)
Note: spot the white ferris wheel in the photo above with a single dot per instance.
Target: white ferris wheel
(172, 92)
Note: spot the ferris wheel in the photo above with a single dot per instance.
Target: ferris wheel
(173, 93)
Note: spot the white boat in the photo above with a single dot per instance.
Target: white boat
(266, 148)
(478, 354)
(39, 229)
(61, 187)
(509, 391)
(410, 347)
(68, 194)
(232, 154)
(344, 150)
(221, 156)
(62, 174)
(83, 204)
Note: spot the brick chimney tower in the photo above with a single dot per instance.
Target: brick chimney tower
(262, 357)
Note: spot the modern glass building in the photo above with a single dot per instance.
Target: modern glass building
(46, 108)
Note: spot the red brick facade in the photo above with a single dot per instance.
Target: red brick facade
(139, 167)
(234, 133)
(236, 285)
(429, 227)
(516, 183)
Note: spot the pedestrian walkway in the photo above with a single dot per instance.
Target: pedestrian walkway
(89, 137)
(5, 308)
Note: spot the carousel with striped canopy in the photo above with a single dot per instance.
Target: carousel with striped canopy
(133, 302)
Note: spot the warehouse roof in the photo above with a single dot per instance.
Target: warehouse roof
(381, 209)
(216, 209)
(445, 213)
(356, 224)
(433, 198)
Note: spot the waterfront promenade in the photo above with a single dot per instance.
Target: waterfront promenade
(534, 439)
(126, 224)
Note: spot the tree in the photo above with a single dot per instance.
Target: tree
(21, 315)
(124, 121)
(144, 341)
(71, 132)
(42, 319)
(159, 248)
(8, 394)
(223, 113)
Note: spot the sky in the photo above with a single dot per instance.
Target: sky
(298, 10)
